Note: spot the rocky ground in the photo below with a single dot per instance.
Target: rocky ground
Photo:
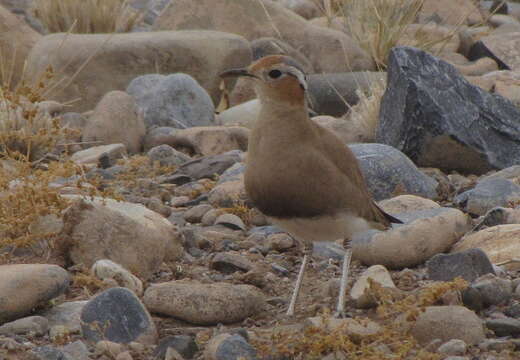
(126, 232)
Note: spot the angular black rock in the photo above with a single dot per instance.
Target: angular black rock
(115, 315)
(469, 265)
(388, 171)
(437, 118)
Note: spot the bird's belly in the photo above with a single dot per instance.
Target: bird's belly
(323, 228)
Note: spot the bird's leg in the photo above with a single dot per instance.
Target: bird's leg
(299, 279)
(340, 311)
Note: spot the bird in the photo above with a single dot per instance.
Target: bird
(301, 175)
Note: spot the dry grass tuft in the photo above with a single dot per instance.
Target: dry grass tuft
(86, 16)
(377, 25)
(365, 114)
(391, 343)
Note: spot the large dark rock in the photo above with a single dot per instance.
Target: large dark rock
(388, 172)
(469, 265)
(117, 315)
(437, 118)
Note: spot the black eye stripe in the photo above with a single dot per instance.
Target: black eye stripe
(274, 74)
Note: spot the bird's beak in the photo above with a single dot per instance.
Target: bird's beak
(236, 73)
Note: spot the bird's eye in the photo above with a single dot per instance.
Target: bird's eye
(274, 74)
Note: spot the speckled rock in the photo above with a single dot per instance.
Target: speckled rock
(120, 317)
(133, 236)
(447, 323)
(26, 286)
(204, 304)
(424, 234)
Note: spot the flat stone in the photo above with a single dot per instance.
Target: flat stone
(389, 172)
(77, 350)
(360, 291)
(447, 323)
(204, 304)
(229, 263)
(504, 326)
(185, 345)
(231, 221)
(468, 264)
(229, 347)
(424, 234)
(488, 194)
(438, 119)
(37, 325)
(117, 315)
(26, 286)
(94, 154)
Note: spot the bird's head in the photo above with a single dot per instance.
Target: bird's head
(278, 79)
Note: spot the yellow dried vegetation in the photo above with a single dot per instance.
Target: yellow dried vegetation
(393, 342)
(86, 16)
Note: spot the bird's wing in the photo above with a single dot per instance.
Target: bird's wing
(356, 188)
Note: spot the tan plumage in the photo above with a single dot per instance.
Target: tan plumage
(298, 173)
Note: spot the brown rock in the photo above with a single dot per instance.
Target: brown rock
(25, 286)
(446, 323)
(16, 40)
(201, 54)
(327, 50)
(500, 243)
(407, 203)
(211, 140)
(116, 119)
(126, 233)
(204, 304)
(414, 242)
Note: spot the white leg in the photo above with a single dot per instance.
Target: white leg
(340, 312)
(297, 286)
